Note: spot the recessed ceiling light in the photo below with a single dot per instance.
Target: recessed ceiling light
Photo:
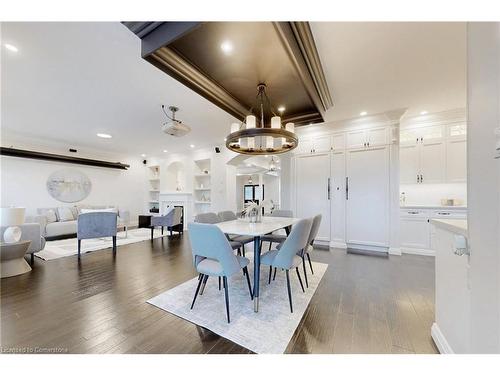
(143, 155)
(225, 139)
(104, 135)
(226, 47)
(192, 146)
(11, 47)
(281, 108)
(423, 112)
(364, 113)
(165, 150)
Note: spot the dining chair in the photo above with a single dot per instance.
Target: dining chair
(228, 216)
(96, 225)
(286, 257)
(316, 222)
(276, 237)
(213, 256)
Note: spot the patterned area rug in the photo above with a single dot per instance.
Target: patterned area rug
(68, 247)
(268, 331)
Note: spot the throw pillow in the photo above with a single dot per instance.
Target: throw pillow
(65, 214)
(74, 211)
(51, 216)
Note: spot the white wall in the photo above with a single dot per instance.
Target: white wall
(431, 194)
(483, 86)
(24, 184)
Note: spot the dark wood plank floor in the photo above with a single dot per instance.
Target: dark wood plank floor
(363, 305)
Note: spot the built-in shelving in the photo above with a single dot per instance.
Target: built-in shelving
(154, 187)
(202, 186)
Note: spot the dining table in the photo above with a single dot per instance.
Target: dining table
(243, 227)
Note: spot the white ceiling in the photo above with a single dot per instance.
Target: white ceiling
(70, 81)
(379, 66)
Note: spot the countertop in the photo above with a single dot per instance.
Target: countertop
(457, 226)
(435, 207)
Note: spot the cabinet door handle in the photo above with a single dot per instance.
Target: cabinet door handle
(328, 188)
(413, 212)
(347, 188)
(418, 178)
(421, 178)
(443, 213)
(368, 144)
(421, 139)
(416, 141)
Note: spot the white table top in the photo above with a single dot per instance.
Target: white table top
(268, 225)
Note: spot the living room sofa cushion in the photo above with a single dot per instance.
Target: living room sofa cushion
(49, 213)
(65, 214)
(60, 228)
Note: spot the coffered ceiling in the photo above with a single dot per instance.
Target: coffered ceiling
(225, 61)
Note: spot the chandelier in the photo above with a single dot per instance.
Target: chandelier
(258, 139)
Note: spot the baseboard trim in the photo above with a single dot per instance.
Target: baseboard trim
(394, 251)
(440, 341)
(413, 251)
(373, 248)
(338, 245)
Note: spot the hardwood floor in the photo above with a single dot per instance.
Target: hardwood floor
(364, 304)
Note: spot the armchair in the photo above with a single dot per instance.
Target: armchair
(31, 232)
(96, 225)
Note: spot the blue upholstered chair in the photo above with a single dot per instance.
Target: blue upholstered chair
(172, 220)
(213, 218)
(96, 225)
(228, 216)
(286, 257)
(316, 222)
(276, 237)
(214, 256)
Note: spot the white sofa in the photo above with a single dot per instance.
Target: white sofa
(52, 230)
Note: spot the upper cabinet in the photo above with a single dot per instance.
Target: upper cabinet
(433, 154)
(367, 138)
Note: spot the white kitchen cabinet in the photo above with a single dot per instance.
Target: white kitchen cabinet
(321, 144)
(376, 137)
(456, 160)
(415, 229)
(310, 145)
(367, 138)
(356, 139)
(432, 162)
(367, 204)
(338, 141)
(312, 173)
(457, 131)
(337, 199)
(421, 134)
(409, 161)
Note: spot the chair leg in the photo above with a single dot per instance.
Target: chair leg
(248, 282)
(219, 282)
(310, 263)
(274, 275)
(243, 249)
(162, 230)
(32, 258)
(226, 293)
(238, 251)
(305, 272)
(289, 290)
(204, 284)
(270, 272)
(152, 232)
(270, 244)
(197, 289)
(114, 245)
(300, 279)
(79, 247)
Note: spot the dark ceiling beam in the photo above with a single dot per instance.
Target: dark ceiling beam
(15, 152)
(176, 66)
(155, 35)
(305, 40)
(292, 47)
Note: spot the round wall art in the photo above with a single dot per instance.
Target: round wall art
(68, 185)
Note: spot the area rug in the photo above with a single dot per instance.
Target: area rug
(68, 247)
(267, 332)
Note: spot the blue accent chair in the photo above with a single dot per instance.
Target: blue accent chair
(96, 225)
(286, 257)
(214, 256)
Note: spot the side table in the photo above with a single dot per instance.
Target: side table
(12, 262)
